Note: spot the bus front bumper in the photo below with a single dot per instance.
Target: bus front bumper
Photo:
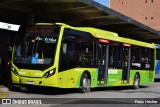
(34, 81)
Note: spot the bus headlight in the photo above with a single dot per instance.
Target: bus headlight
(14, 71)
(49, 73)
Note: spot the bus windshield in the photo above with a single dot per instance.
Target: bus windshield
(35, 47)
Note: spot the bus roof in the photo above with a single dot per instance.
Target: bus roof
(103, 34)
(98, 33)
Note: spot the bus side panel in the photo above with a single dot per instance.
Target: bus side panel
(68, 78)
(114, 77)
(71, 78)
(146, 76)
(94, 77)
(93, 73)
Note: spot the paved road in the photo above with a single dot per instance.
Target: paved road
(104, 96)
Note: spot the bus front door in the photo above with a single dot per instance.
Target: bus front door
(102, 63)
(126, 61)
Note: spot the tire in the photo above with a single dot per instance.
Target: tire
(84, 84)
(10, 85)
(136, 81)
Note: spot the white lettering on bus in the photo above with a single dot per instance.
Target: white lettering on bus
(46, 39)
(136, 64)
(112, 71)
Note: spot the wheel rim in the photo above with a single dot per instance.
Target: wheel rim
(85, 82)
(136, 82)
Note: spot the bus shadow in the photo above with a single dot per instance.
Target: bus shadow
(62, 91)
(156, 80)
(117, 88)
(44, 90)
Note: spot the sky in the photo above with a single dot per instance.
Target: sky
(103, 2)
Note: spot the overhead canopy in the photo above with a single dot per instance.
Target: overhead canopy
(75, 13)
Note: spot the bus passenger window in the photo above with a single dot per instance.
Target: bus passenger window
(18, 50)
(64, 48)
(135, 57)
(77, 50)
(114, 55)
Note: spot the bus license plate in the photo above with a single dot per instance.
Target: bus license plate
(30, 82)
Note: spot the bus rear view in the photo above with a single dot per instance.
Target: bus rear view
(157, 70)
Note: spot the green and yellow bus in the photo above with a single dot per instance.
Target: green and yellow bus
(59, 55)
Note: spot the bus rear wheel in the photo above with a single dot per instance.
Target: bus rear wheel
(136, 81)
(84, 84)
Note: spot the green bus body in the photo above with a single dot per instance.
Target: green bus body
(70, 78)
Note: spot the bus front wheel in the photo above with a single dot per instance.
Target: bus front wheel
(136, 81)
(84, 83)
(10, 85)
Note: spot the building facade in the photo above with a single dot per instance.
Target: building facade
(143, 11)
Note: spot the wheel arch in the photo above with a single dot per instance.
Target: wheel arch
(137, 73)
(84, 88)
(85, 72)
(88, 73)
